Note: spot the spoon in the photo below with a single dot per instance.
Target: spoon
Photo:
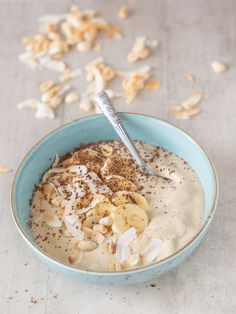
(104, 103)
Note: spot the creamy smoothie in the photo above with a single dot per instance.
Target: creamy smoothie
(95, 209)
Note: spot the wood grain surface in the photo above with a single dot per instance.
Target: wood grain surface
(192, 34)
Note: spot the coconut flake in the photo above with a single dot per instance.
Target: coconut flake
(152, 251)
(54, 221)
(78, 169)
(56, 161)
(192, 101)
(122, 248)
(75, 230)
(95, 184)
(152, 43)
(86, 209)
(47, 62)
(71, 218)
(64, 89)
(113, 94)
(99, 83)
(28, 103)
(4, 169)
(43, 111)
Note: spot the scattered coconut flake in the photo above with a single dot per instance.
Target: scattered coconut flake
(47, 62)
(192, 101)
(86, 106)
(64, 89)
(218, 67)
(71, 97)
(66, 76)
(42, 110)
(97, 48)
(113, 94)
(152, 251)
(122, 247)
(135, 81)
(123, 12)
(29, 103)
(153, 43)
(95, 184)
(180, 114)
(46, 86)
(4, 169)
(191, 78)
(152, 85)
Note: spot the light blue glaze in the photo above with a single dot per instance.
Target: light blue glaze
(93, 129)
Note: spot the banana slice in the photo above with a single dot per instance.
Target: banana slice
(104, 209)
(128, 216)
(117, 183)
(90, 158)
(116, 165)
(102, 198)
(124, 197)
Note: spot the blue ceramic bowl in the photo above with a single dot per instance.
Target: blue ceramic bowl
(96, 128)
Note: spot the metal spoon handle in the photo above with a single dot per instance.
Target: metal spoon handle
(104, 103)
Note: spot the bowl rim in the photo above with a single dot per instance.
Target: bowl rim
(122, 272)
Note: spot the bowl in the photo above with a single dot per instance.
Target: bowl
(93, 129)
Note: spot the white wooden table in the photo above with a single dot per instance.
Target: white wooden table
(192, 34)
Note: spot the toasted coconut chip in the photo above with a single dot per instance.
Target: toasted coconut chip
(42, 110)
(191, 78)
(93, 235)
(193, 100)
(78, 169)
(86, 209)
(95, 184)
(52, 19)
(54, 221)
(4, 169)
(134, 81)
(152, 43)
(71, 218)
(70, 75)
(123, 12)
(113, 94)
(152, 85)
(29, 103)
(218, 67)
(181, 115)
(75, 230)
(99, 81)
(56, 161)
(152, 251)
(64, 89)
(47, 62)
(122, 247)
(194, 111)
